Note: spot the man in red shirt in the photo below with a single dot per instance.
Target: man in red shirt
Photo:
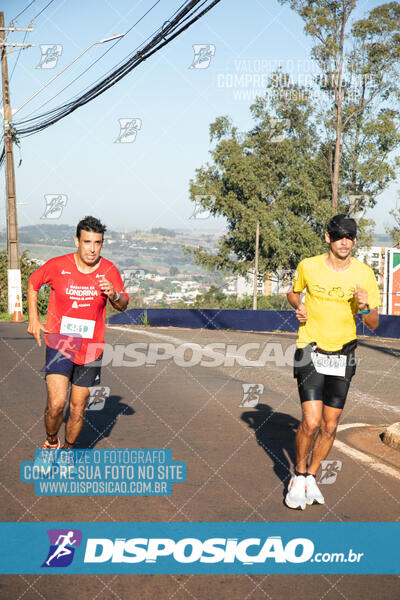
(80, 283)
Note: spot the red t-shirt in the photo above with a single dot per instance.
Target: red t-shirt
(77, 306)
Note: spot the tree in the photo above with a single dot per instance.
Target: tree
(394, 231)
(215, 298)
(359, 75)
(173, 271)
(305, 160)
(275, 174)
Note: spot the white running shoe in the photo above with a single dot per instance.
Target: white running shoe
(296, 496)
(313, 493)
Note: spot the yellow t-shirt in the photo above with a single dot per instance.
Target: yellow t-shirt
(329, 300)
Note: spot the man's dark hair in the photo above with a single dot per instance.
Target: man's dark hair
(90, 224)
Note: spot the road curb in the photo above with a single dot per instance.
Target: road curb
(391, 437)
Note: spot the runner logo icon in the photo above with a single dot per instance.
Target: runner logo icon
(55, 204)
(203, 54)
(50, 53)
(330, 470)
(62, 547)
(251, 394)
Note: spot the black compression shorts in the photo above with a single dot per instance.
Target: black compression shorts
(331, 389)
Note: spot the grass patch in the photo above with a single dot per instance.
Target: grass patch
(144, 319)
(5, 316)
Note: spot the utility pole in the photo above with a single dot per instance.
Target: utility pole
(14, 270)
(255, 280)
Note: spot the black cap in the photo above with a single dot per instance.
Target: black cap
(342, 226)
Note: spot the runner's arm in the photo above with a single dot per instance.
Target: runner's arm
(362, 296)
(121, 303)
(371, 320)
(34, 324)
(294, 298)
(110, 290)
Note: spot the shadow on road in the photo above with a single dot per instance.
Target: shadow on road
(385, 349)
(276, 433)
(99, 423)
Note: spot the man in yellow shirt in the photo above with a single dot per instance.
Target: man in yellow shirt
(337, 286)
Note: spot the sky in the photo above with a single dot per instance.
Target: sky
(143, 181)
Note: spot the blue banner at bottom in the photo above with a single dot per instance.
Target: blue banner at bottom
(199, 548)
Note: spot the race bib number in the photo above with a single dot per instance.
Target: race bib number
(329, 364)
(83, 328)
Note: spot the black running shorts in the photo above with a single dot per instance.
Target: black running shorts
(80, 375)
(331, 389)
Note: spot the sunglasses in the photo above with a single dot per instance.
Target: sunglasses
(338, 236)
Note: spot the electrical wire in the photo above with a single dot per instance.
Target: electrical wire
(26, 32)
(171, 29)
(43, 9)
(30, 4)
(22, 11)
(18, 55)
(100, 57)
(94, 62)
(2, 154)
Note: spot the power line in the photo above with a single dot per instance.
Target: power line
(43, 9)
(18, 55)
(171, 29)
(22, 11)
(96, 61)
(30, 4)
(26, 33)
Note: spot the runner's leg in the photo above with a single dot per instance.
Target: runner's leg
(312, 414)
(57, 391)
(77, 404)
(325, 438)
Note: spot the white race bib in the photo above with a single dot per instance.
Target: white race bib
(329, 364)
(83, 328)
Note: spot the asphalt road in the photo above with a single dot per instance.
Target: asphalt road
(238, 457)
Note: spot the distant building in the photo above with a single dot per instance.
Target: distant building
(374, 257)
(131, 289)
(245, 284)
(268, 284)
(280, 282)
(230, 287)
(172, 298)
(154, 277)
(133, 274)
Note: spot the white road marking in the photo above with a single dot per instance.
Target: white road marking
(149, 333)
(372, 402)
(367, 460)
(361, 456)
(351, 425)
(373, 463)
